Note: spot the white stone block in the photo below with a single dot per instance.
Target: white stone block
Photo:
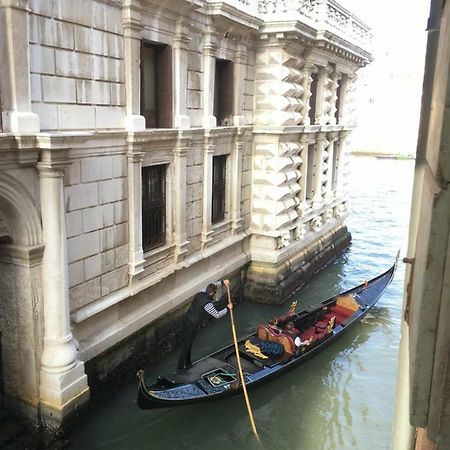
(120, 212)
(42, 59)
(76, 273)
(80, 247)
(76, 12)
(52, 33)
(195, 61)
(115, 45)
(194, 174)
(97, 168)
(93, 267)
(20, 122)
(119, 166)
(58, 90)
(36, 88)
(108, 261)
(96, 92)
(107, 18)
(48, 115)
(107, 69)
(117, 94)
(72, 174)
(121, 256)
(134, 123)
(114, 280)
(108, 117)
(84, 293)
(92, 219)
(108, 214)
(73, 64)
(81, 196)
(107, 239)
(74, 224)
(194, 80)
(42, 7)
(75, 117)
(120, 234)
(194, 99)
(100, 43)
(83, 38)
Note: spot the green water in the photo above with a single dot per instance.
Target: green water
(342, 399)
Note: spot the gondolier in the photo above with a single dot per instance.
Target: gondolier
(202, 304)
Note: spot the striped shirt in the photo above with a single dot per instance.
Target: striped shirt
(210, 308)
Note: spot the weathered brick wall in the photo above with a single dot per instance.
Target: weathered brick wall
(76, 63)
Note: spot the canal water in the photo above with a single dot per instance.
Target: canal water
(341, 399)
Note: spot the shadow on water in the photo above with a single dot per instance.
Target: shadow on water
(280, 408)
(341, 399)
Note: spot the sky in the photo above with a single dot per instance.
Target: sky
(390, 88)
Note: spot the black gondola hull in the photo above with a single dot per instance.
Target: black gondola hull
(174, 392)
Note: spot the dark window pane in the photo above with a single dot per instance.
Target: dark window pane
(338, 101)
(223, 92)
(218, 188)
(153, 206)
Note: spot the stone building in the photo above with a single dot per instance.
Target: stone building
(149, 147)
(422, 419)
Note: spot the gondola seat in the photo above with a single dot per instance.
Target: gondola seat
(267, 333)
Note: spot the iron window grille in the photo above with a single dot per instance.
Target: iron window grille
(153, 206)
(218, 188)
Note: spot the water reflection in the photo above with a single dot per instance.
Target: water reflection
(341, 399)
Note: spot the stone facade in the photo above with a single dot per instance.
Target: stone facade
(74, 144)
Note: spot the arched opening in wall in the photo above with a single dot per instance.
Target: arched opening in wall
(5, 239)
(21, 311)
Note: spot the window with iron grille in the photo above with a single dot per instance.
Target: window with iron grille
(153, 206)
(218, 188)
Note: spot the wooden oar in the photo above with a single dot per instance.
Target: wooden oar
(241, 374)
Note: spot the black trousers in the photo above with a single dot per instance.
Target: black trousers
(189, 331)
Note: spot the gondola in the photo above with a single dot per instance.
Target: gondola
(216, 376)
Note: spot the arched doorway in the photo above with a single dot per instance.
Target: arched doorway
(21, 327)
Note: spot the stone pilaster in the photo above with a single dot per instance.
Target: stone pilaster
(15, 69)
(131, 23)
(180, 163)
(236, 183)
(307, 71)
(63, 383)
(208, 152)
(340, 165)
(342, 96)
(320, 117)
(321, 144)
(335, 76)
(329, 168)
(180, 54)
(239, 62)
(304, 167)
(136, 253)
(348, 115)
(209, 70)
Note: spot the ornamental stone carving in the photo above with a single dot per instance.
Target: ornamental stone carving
(339, 210)
(316, 223)
(299, 232)
(283, 240)
(328, 215)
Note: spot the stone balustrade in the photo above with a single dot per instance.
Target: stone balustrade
(322, 15)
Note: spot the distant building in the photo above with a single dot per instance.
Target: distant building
(151, 147)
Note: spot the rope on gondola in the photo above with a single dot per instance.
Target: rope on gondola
(241, 374)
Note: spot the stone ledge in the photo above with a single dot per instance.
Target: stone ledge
(273, 283)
